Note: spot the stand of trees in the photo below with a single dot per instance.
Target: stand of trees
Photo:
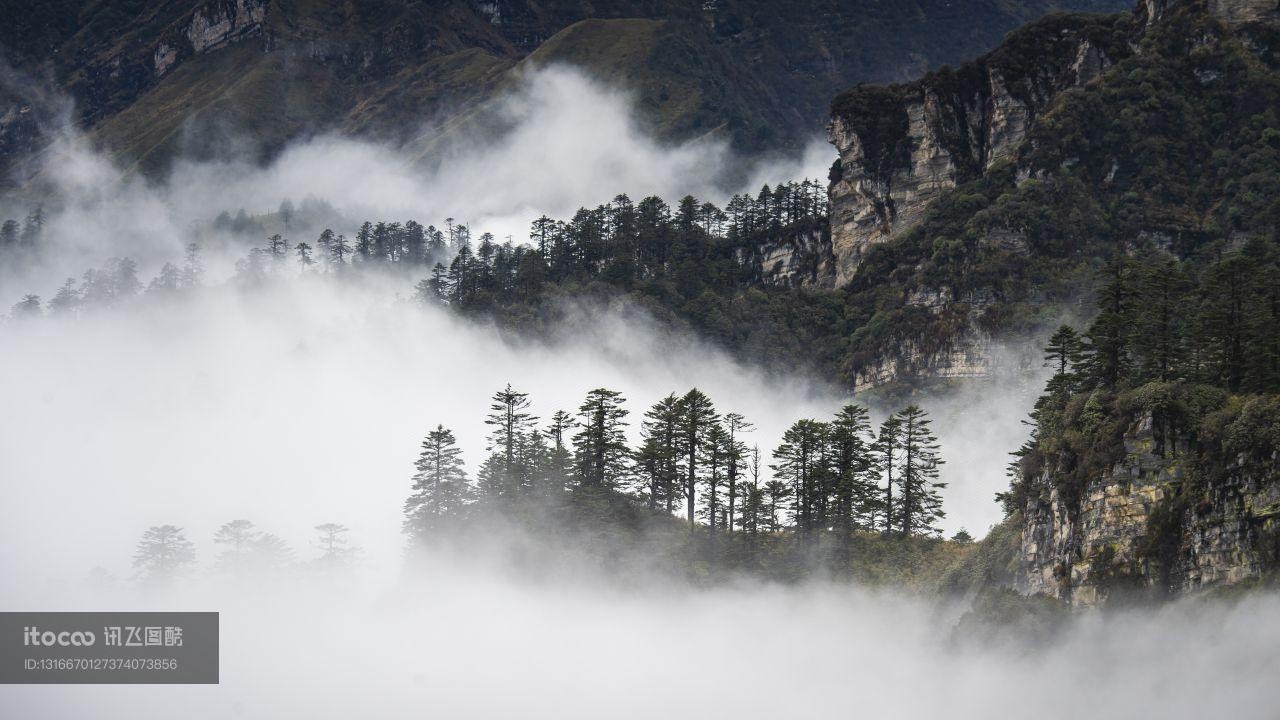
(1194, 347)
(837, 476)
(164, 552)
(683, 262)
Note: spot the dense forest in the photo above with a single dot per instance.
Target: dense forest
(695, 266)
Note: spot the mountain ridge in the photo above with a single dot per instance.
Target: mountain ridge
(375, 69)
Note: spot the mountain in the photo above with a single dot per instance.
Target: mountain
(1122, 173)
(150, 79)
(976, 204)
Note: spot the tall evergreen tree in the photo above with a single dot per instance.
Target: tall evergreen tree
(857, 495)
(660, 453)
(697, 417)
(601, 454)
(163, 552)
(798, 462)
(735, 453)
(885, 451)
(192, 266)
(559, 467)
(921, 505)
(335, 548)
(512, 422)
(440, 487)
(1162, 312)
(1108, 341)
(1228, 297)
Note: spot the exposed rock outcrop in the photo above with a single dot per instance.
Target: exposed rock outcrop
(217, 23)
(1142, 527)
(1231, 12)
(903, 146)
(800, 257)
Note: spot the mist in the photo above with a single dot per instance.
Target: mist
(303, 402)
(572, 142)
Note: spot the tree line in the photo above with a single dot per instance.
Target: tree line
(840, 475)
(164, 551)
(1195, 346)
(1167, 320)
(622, 244)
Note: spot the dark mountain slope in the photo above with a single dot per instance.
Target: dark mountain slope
(1000, 188)
(758, 72)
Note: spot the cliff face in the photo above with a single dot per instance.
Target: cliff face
(1231, 12)
(1149, 525)
(800, 258)
(966, 205)
(903, 146)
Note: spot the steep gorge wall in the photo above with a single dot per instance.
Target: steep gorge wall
(903, 146)
(1150, 525)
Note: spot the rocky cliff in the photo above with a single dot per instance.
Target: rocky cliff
(970, 202)
(1158, 521)
(902, 146)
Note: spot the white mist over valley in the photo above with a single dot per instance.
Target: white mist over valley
(304, 400)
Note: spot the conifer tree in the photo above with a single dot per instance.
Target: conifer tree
(167, 281)
(339, 249)
(364, 249)
(9, 235)
(335, 548)
(885, 451)
(26, 308)
(440, 487)
(1228, 291)
(33, 229)
(558, 470)
(303, 251)
(1108, 340)
(163, 552)
(660, 453)
(192, 266)
(601, 453)
(124, 278)
(857, 494)
(67, 300)
(921, 505)
(697, 416)
(714, 454)
(735, 453)
(1161, 320)
(798, 462)
(776, 493)
(1064, 351)
(237, 537)
(511, 421)
(276, 247)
